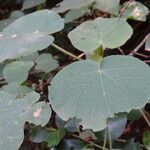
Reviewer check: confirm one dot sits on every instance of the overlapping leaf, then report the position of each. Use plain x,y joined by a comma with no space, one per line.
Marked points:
110,6
32,3
29,34
14,15
136,10
95,91
147,46
71,4
13,114
46,63
110,33
17,71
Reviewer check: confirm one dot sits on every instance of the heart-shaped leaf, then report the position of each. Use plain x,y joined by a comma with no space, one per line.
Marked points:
95,91
102,31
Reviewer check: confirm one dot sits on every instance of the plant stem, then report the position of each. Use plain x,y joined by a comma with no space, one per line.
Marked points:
140,45
90,142
65,52
145,117
105,139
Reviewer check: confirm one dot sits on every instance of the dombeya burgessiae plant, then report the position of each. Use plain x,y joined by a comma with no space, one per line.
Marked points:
95,93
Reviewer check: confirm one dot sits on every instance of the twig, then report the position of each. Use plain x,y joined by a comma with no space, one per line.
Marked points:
147,61
140,45
90,142
105,139
81,55
65,52
139,54
121,51
145,117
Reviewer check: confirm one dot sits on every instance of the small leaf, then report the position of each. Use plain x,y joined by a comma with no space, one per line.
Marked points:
14,15
72,125
29,34
102,31
32,3
74,14
132,145
17,90
39,113
55,137
31,57
134,115
13,114
146,140
147,46
97,55
110,6
17,71
39,135
136,11
46,63
116,126
95,91
71,4
88,134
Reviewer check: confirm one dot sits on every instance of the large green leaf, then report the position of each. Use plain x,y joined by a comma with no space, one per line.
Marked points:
17,71
32,3
102,31
136,10
14,113
29,34
110,6
95,91
71,4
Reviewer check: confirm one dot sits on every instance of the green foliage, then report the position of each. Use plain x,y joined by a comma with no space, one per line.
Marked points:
46,63
75,14
116,126
15,112
147,46
146,140
102,31
32,3
14,15
136,10
98,90
89,94
110,6
71,4
29,34
17,71
55,137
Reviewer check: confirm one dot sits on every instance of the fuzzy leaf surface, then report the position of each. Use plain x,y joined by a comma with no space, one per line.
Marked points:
94,91
90,35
